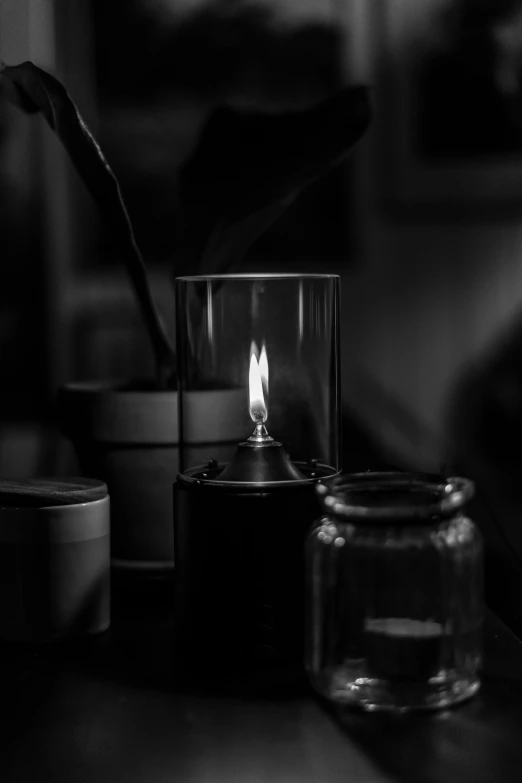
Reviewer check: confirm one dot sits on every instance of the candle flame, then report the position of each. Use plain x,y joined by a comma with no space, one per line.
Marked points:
263,369
258,382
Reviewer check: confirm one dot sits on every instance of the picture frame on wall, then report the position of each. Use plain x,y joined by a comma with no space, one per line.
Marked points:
450,82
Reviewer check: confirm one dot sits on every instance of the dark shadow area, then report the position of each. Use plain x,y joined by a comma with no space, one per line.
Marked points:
360,449
22,307
139,651
153,108
485,423
469,85
238,51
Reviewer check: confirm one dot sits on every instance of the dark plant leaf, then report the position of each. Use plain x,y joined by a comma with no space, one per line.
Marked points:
35,91
249,167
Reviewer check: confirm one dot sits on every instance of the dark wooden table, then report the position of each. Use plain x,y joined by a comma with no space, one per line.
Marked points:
121,709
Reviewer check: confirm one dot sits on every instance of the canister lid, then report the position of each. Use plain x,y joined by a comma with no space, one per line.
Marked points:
44,492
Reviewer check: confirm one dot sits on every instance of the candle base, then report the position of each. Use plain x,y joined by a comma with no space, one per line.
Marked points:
239,567
259,462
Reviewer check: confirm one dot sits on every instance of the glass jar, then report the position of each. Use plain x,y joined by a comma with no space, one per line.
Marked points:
394,592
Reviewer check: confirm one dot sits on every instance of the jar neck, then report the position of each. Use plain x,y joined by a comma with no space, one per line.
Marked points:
394,499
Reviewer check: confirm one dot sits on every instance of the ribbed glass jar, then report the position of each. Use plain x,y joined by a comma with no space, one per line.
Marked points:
394,592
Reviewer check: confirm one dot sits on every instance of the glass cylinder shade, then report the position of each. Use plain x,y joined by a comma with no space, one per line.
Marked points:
259,350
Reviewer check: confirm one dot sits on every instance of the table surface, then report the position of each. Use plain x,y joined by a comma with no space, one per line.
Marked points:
118,708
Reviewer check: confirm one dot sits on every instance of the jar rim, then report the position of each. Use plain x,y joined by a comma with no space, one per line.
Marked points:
394,497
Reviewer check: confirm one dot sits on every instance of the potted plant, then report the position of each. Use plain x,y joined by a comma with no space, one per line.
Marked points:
127,434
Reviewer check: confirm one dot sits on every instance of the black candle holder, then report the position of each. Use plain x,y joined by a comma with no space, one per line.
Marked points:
241,523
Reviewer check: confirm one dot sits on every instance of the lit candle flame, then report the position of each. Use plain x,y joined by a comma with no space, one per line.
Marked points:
263,369
257,381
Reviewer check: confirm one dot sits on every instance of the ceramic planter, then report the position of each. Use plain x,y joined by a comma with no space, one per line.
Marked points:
129,438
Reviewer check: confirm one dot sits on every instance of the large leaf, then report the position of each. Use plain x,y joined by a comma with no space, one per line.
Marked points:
246,170
35,91
249,167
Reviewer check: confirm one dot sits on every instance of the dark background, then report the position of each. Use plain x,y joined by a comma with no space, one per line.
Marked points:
431,299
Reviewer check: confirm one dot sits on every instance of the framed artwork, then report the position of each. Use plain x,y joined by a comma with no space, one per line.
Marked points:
449,76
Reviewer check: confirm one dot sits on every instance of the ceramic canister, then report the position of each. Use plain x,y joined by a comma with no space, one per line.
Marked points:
54,558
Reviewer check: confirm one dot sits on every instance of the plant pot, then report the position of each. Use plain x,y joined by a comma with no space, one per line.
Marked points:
128,437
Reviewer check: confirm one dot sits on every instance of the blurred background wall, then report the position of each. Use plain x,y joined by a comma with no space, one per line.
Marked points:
439,283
